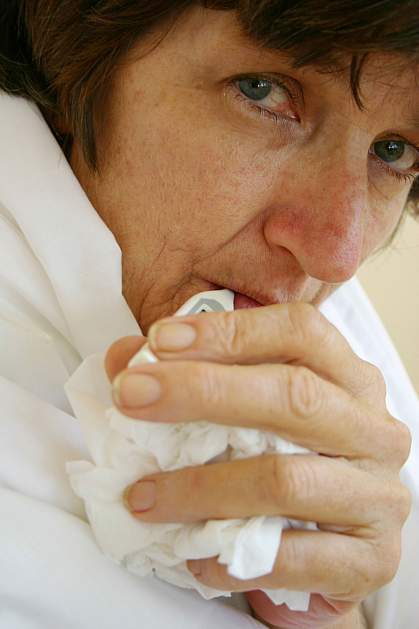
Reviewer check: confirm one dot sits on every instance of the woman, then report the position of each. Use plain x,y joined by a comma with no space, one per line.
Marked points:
270,149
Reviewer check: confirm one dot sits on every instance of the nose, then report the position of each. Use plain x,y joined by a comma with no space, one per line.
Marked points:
319,215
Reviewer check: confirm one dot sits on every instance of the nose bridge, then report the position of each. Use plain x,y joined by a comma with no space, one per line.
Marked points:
323,227
339,187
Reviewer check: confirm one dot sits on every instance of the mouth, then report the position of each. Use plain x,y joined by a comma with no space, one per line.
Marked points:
255,299
243,301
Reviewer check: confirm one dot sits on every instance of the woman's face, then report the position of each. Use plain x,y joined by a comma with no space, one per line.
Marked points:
222,166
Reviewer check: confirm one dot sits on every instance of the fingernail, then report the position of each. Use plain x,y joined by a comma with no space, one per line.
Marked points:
194,566
136,390
171,337
140,496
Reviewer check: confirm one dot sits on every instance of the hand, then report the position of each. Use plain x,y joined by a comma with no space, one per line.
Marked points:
354,619
284,369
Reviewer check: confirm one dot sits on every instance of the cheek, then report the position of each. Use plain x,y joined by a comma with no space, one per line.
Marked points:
190,182
382,222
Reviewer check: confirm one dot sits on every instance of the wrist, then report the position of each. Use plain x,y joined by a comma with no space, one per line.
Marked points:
354,619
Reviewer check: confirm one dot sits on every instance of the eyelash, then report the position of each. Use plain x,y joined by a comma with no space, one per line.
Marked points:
278,119
262,111
404,177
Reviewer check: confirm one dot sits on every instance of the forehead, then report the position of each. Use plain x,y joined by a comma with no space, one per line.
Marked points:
214,43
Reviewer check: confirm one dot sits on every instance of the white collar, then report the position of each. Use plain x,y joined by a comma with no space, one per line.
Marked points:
76,249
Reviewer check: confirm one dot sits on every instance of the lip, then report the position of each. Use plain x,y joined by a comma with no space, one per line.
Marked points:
257,299
254,300
242,301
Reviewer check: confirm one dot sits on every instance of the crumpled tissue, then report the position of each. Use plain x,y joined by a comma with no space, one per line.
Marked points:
124,450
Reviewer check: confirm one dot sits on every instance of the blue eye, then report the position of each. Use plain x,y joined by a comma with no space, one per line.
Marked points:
397,153
255,88
389,151
269,98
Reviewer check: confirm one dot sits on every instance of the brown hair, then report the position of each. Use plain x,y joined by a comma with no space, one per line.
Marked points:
62,55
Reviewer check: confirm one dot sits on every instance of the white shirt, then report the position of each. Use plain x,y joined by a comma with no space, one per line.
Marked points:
60,301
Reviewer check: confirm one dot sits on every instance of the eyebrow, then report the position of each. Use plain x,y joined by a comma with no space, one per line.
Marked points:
275,55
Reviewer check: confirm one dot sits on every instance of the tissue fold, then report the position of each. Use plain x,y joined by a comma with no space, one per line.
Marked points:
124,450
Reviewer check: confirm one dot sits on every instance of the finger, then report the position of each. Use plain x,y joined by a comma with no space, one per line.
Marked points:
299,487
290,401
120,353
337,566
290,333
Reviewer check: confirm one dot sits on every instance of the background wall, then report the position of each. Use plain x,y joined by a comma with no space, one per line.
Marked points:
391,280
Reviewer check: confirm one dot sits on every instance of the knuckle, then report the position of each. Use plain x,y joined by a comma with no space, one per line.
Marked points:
304,393
402,441
279,486
397,442
394,505
374,373
379,565
388,560
374,379
361,584
210,391
288,478
402,503
228,336
292,558
376,566
307,322
355,579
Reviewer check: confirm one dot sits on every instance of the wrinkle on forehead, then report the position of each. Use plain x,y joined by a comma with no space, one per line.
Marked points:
214,45
395,81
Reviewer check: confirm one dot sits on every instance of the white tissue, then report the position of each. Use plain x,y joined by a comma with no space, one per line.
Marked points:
124,450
